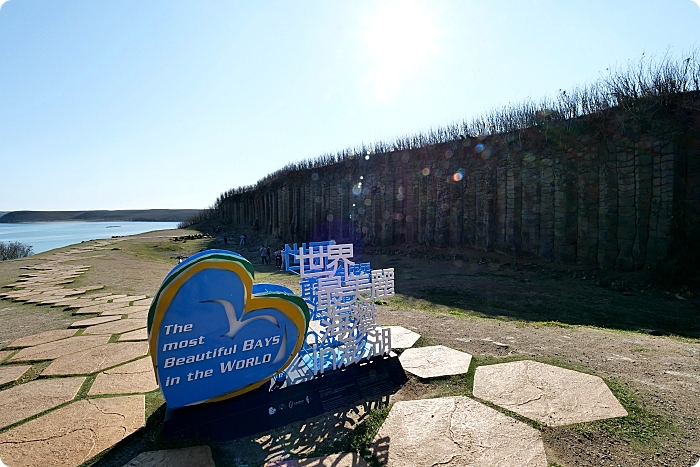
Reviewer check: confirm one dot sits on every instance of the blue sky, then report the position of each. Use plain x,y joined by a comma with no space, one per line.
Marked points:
166,104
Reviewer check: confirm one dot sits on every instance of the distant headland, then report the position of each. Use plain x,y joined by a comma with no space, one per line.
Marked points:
133,215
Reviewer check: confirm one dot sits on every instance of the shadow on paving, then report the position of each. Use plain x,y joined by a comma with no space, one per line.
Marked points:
345,430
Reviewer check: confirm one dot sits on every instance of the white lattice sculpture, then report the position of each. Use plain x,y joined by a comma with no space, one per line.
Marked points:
341,295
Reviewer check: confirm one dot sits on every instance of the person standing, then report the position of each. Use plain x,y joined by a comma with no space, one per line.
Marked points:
243,239
278,258
263,254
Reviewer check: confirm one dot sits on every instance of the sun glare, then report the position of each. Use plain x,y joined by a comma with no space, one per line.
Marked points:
400,38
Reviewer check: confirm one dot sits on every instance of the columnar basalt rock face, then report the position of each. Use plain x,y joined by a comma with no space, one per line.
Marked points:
608,190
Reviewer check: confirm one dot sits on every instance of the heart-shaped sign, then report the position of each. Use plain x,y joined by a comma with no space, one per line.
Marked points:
214,335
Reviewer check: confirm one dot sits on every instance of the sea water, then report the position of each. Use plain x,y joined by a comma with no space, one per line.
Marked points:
44,236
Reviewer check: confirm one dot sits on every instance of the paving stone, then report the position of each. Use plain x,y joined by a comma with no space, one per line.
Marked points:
4,354
11,373
143,314
128,298
435,361
72,292
116,327
100,308
66,302
402,338
71,435
43,338
83,323
111,297
30,299
334,460
52,301
60,348
546,393
138,335
199,456
28,399
96,359
93,296
455,431
132,377
145,302
125,310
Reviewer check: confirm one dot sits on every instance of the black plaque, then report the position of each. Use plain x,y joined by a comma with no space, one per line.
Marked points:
262,410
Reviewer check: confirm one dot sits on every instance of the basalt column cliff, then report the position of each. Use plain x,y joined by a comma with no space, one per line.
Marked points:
618,189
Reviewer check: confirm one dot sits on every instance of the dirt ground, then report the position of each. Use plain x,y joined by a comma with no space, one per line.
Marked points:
643,340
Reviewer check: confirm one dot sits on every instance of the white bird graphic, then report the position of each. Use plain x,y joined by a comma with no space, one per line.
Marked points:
235,324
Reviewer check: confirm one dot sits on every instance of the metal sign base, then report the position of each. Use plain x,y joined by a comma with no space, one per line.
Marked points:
262,410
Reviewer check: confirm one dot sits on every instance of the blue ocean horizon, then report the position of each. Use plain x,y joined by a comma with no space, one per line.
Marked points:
45,236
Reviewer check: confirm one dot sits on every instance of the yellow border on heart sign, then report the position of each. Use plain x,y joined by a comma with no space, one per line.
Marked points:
167,295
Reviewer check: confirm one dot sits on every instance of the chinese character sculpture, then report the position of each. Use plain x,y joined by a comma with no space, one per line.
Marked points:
214,334
341,296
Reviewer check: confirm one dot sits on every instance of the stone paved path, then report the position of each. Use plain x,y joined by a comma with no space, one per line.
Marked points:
44,420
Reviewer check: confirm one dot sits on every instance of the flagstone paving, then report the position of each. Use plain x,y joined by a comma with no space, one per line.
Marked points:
138,335
110,297
4,354
52,301
93,321
402,338
455,431
71,435
549,394
131,378
66,302
43,338
129,298
125,310
96,359
52,350
10,374
93,296
199,456
435,361
143,314
98,308
25,400
116,327
334,460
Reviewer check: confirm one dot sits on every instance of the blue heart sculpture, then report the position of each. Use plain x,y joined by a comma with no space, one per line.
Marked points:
214,335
